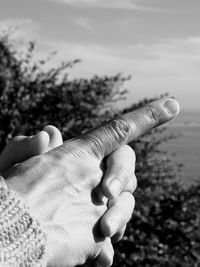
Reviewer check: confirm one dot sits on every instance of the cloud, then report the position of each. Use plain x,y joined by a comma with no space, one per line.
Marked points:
169,66
169,58
112,4
84,23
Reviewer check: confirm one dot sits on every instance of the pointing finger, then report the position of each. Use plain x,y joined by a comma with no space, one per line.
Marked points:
107,138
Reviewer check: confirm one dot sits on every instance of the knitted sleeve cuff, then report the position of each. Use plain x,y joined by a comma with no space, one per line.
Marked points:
21,240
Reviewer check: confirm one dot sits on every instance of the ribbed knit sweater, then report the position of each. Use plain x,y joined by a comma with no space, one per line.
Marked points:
22,243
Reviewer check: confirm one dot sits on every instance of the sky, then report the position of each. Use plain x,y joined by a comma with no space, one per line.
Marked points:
155,41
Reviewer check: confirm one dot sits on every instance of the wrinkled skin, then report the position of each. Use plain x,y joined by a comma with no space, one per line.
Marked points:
119,164
63,199
61,185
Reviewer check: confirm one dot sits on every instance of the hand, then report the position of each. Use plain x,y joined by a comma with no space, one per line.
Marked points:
61,183
120,163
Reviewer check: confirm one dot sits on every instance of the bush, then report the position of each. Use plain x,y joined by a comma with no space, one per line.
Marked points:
165,228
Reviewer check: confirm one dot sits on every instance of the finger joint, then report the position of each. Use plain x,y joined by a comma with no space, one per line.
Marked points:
120,129
152,113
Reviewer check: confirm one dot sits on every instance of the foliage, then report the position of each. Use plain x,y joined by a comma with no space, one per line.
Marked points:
31,97
165,228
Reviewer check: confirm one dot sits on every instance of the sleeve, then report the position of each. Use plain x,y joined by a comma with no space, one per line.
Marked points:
22,243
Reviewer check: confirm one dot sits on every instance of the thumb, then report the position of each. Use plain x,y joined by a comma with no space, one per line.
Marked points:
21,148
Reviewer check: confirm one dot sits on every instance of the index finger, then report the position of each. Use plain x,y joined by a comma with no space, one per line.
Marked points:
105,139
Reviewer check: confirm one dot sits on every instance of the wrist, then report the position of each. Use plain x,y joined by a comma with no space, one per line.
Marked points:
21,240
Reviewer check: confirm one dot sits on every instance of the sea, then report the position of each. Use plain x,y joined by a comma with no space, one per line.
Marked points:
185,149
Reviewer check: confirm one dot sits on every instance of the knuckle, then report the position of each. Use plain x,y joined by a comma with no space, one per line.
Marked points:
151,113
123,174
127,179
130,152
129,201
131,185
129,198
120,129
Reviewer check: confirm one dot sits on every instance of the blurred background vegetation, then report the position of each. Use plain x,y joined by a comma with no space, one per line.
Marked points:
165,227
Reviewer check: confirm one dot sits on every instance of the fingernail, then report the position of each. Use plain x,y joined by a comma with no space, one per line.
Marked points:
115,187
171,106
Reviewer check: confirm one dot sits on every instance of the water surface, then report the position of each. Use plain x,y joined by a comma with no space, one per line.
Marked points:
187,146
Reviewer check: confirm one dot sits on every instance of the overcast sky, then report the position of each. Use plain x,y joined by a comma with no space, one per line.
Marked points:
156,41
